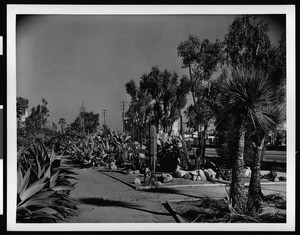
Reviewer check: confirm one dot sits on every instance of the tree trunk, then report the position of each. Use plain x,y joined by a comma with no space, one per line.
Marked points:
203,144
255,194
237,184
157,127
132,132
141,138
184,148
201,148
192,88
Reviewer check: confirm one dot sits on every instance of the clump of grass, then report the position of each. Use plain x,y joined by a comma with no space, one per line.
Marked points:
210,210
276,200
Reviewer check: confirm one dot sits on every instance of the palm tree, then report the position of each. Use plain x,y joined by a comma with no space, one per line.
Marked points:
246,92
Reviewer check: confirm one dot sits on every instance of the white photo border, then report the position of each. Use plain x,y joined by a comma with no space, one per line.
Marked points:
1,164
13,10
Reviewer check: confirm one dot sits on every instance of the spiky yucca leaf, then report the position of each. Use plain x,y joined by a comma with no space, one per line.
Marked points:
248,93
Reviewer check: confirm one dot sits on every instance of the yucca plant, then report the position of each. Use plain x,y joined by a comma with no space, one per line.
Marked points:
246,94
43,187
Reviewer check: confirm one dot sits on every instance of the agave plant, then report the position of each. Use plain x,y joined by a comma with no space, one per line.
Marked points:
43,187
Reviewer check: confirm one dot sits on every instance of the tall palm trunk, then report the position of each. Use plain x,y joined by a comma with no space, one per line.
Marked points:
237,182
255,193
199,149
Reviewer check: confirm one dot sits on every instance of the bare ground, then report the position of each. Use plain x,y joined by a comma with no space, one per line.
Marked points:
103,199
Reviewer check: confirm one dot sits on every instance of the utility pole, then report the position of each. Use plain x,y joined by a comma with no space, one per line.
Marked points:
123,106
104,114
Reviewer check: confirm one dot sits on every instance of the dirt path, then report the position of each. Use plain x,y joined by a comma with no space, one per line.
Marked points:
107,200
103,199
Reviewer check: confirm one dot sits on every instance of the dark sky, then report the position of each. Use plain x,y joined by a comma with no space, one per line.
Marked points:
70,59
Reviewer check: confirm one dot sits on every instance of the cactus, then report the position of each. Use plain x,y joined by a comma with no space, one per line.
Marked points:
149,177
153,148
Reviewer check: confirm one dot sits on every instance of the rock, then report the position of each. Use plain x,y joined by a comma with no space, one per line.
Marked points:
177,168
202,175
282,178
137,181
210,174
276,179
180,173
194,177
113,167
247,172
131,172
198,178
166,178
187,176
220,179
142,155
158,184
137,172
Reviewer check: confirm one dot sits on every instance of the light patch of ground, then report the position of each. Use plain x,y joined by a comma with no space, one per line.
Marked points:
103,199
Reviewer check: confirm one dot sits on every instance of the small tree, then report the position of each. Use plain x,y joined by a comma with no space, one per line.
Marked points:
86,122
37,120
202,59
169,96
247,93
247,45
22,106
62,124
106,130
140,108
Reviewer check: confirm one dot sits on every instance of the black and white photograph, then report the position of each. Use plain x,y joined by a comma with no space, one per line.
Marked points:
158,117
1,159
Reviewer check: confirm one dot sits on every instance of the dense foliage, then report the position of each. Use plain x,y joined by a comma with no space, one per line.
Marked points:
43,186
158,100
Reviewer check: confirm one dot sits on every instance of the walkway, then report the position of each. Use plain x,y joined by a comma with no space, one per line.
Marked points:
107,200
